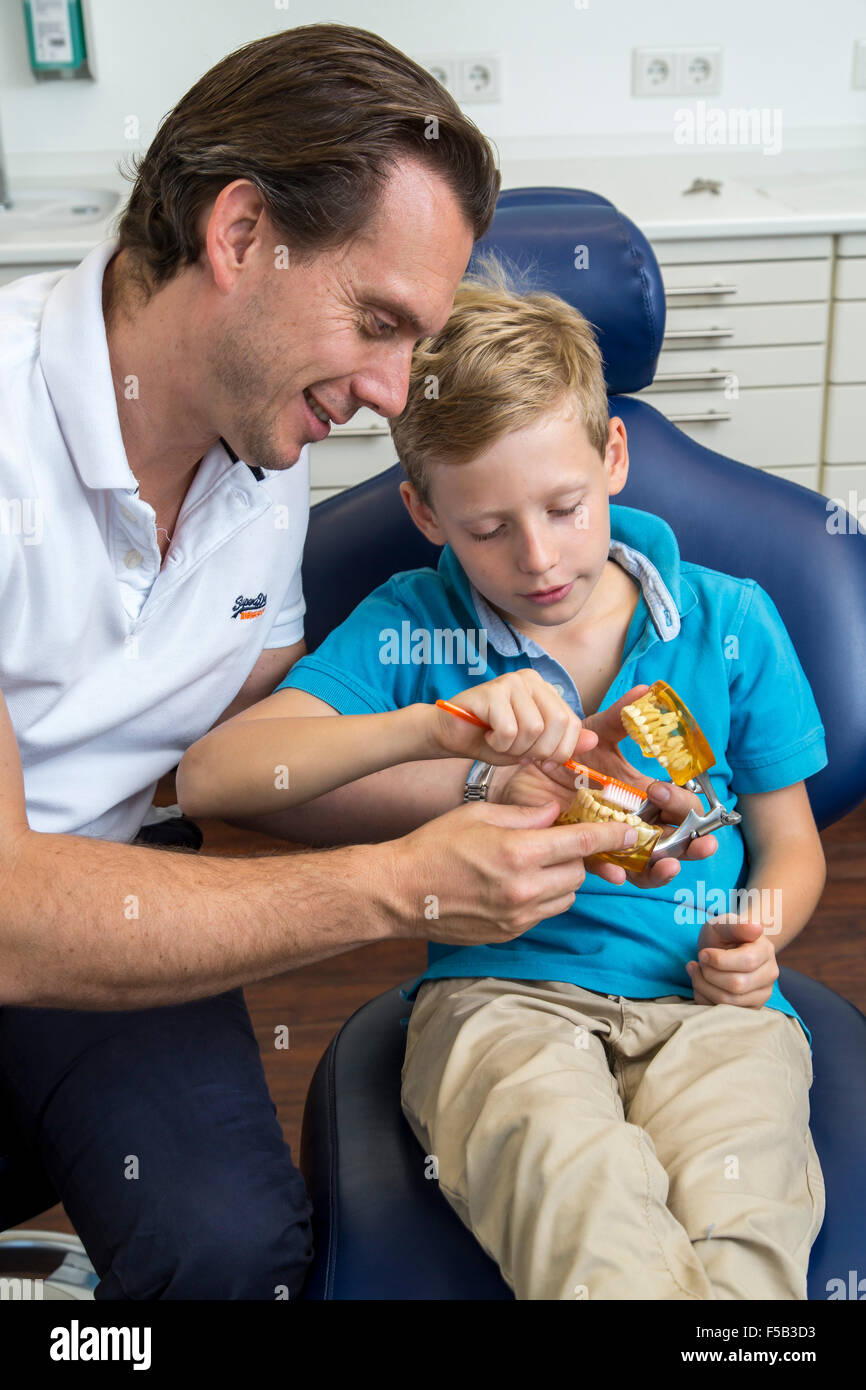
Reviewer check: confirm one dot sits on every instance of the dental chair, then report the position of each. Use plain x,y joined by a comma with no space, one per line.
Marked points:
382,1230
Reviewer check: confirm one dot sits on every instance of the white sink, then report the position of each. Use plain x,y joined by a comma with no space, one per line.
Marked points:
46,213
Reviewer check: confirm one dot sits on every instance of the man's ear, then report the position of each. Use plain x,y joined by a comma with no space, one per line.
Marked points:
423,516
235,224
616,457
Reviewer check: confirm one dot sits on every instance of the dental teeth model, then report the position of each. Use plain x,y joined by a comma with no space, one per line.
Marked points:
588,806
665,729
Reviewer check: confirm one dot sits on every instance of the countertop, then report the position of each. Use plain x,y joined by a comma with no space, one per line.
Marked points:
807,187
811,189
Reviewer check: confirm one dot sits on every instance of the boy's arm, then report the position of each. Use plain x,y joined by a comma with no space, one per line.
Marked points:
737,951
272,756
275,755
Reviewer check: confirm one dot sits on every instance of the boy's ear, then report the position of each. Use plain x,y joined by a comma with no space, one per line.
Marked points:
423,516
616,457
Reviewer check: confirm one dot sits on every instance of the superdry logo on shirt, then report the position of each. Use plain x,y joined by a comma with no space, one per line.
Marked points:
249,607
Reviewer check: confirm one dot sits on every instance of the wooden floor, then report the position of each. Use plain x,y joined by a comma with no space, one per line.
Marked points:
315,1001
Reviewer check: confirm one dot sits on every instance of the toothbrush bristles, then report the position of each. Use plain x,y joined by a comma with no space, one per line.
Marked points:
617,795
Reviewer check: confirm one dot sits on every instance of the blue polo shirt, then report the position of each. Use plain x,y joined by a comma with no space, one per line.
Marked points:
719,641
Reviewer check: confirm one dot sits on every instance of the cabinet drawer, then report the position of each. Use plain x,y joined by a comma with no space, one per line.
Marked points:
806,477
321,494
685,368
851,278
846,483
749,282
848,352
747,326
846,425
724,250
768,428
342,462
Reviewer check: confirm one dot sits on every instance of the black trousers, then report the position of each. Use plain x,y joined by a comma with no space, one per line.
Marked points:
159,1134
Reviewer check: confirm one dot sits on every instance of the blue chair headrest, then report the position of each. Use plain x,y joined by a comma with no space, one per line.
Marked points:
588,253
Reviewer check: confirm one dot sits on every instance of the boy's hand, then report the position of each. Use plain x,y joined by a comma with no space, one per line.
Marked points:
528,720
736,963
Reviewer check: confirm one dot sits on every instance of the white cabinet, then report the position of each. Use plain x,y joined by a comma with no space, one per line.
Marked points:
743,362
351,453
845,440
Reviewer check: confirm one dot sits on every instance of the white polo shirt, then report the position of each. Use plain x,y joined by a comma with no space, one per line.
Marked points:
111,666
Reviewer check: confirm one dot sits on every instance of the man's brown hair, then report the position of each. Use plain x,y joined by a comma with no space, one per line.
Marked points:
315,117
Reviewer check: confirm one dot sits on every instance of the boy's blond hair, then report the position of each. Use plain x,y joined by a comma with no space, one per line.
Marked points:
503,359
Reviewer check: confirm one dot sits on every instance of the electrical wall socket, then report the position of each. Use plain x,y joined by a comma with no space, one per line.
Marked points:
859,78
468,79
676,72
479,79
654,72
443,67
699,70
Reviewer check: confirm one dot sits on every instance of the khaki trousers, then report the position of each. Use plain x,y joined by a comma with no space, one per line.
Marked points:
611,1148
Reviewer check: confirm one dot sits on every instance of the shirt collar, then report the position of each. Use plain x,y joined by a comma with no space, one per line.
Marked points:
73,331
643,544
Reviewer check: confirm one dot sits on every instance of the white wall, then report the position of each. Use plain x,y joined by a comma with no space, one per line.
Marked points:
567,70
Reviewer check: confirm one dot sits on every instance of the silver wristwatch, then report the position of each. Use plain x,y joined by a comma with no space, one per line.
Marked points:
478,781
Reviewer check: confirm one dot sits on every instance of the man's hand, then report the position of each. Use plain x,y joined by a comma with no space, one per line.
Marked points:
483,874
736,963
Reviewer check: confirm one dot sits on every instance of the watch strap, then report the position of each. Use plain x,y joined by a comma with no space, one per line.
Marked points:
478,781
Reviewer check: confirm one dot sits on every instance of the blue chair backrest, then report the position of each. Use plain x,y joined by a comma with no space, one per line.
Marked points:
725,515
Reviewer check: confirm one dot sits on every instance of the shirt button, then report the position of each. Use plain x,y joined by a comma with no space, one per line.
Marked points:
132,559
560,690
614,997
241,497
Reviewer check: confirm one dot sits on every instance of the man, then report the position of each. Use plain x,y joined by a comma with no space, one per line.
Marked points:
302,217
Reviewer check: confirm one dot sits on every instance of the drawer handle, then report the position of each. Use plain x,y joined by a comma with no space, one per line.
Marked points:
708,415
712,374
699,289
699,333
349,428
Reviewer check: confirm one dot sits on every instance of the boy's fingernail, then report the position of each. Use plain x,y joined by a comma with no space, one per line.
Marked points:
630,837
661,792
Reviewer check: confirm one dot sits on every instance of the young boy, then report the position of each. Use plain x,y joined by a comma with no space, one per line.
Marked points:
617,1099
